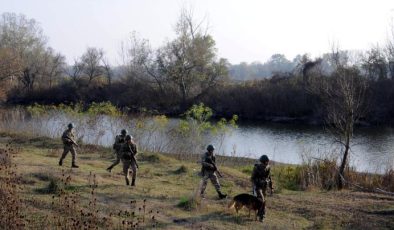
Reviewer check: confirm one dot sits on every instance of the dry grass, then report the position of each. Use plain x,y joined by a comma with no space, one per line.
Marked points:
90,197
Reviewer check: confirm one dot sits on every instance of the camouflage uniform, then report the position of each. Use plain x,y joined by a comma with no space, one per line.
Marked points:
261,179
67,138
119,140
129,165
208,172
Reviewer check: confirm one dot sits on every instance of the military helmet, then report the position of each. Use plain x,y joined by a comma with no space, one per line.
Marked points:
129,137
210,148
70,126
264,158
123,132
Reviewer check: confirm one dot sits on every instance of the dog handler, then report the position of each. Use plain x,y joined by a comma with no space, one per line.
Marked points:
261,178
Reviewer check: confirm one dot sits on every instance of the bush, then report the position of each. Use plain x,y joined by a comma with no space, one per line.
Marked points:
188,203
103,108
247,169
287,177
54,186
153,158
182,169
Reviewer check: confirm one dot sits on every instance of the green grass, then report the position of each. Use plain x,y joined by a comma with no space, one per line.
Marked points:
169,187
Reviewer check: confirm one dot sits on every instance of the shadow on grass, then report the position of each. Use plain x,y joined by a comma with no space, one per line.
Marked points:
55,185
216,216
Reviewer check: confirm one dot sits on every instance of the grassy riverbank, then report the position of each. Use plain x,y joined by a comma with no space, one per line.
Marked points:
57,196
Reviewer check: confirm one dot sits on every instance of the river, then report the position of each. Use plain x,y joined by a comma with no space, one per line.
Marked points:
372,147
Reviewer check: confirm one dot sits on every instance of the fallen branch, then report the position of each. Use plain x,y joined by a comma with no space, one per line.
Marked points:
384,192
375,190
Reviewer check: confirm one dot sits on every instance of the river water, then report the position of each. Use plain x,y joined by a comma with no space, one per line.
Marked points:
372,147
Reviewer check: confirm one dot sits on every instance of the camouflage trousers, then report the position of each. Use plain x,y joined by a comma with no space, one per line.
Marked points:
129,167
116,161
204,181
67,149
260,191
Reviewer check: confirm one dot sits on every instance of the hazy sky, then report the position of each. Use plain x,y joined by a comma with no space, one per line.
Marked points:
244,30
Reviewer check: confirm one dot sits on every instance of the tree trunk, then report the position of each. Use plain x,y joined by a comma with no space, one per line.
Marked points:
341,172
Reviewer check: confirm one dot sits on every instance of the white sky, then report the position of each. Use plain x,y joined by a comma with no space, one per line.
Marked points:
244,30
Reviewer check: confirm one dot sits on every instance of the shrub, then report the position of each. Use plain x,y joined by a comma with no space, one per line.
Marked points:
103,108
188,203
182,169
287,177
153,158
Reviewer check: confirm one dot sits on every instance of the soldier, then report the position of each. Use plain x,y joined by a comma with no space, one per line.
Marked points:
119,140
261,178
208,171
129,152
69,142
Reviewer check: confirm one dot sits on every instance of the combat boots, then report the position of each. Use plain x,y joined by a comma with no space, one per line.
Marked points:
60,163
221,195
133,182
109,169
127,182
74,166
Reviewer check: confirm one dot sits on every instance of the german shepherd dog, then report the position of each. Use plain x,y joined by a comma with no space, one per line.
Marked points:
250,202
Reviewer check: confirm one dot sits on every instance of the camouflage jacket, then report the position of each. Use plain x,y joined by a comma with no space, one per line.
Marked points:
119,140
261,175
129,151
207,167
68,136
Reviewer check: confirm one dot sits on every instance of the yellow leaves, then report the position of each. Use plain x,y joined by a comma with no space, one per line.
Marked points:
102,108
161,120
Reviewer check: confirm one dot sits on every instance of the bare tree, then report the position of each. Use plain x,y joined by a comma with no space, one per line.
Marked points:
187,65
343,94
27,52
75,71
375,63
10,64
53,66
92,62
140,62
189,62
390,52
107,71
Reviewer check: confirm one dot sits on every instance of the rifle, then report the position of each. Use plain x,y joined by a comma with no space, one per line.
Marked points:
72,141
132,156
210,161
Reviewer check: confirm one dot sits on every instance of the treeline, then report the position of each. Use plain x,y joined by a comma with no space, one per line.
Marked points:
186,71
277,64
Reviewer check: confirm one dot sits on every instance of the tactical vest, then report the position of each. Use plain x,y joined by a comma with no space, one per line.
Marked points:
207,159
260,174
68,134
128,150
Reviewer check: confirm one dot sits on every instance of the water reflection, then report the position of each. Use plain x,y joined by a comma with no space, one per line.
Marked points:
372,148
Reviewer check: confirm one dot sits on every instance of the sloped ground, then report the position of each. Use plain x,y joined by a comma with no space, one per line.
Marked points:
163,184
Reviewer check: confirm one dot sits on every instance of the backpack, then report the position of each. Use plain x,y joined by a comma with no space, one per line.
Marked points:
118,143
